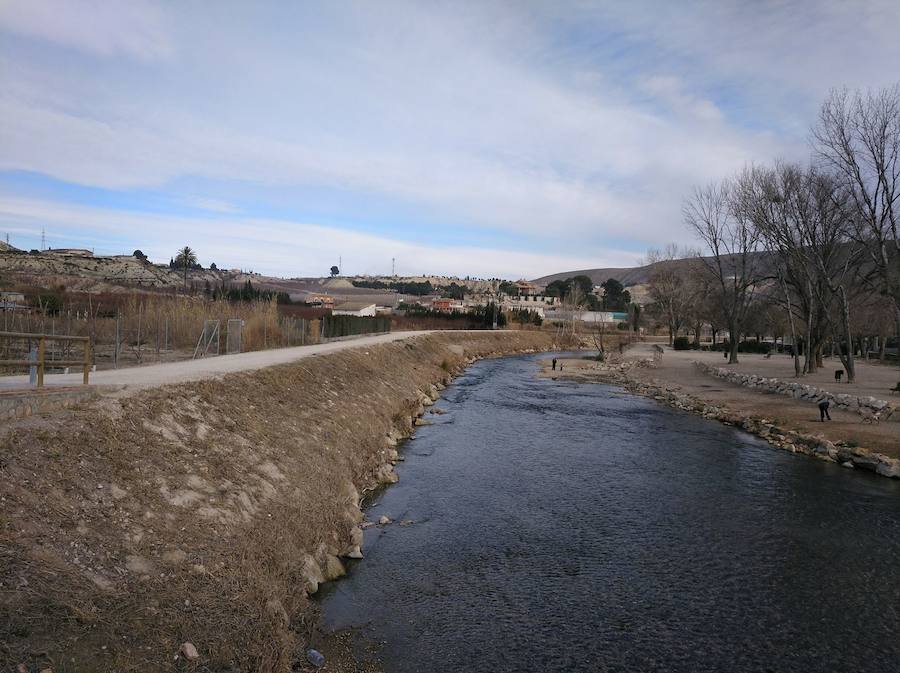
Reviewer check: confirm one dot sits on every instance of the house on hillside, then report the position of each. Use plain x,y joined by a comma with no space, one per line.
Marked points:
357,308
447,305
525,289
320,300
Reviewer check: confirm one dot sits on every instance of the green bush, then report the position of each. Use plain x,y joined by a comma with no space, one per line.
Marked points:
682,343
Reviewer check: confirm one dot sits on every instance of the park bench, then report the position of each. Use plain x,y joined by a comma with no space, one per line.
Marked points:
896,388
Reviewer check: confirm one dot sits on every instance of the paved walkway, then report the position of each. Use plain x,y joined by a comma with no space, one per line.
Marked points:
193,370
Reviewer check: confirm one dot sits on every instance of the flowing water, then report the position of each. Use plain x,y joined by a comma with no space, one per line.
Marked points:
574,527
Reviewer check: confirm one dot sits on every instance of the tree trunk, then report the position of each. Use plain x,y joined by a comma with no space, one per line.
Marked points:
794,344
733,344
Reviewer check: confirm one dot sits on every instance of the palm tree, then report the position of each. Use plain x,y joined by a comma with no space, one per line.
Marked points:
186,258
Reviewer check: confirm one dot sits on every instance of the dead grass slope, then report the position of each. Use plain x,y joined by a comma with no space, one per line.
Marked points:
204,512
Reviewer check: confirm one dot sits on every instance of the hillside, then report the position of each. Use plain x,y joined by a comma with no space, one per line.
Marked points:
637,275
629,277
81,270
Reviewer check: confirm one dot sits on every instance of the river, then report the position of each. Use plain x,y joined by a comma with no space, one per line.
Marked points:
574,527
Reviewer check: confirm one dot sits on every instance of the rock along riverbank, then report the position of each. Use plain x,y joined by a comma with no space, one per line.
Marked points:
621,373
184,528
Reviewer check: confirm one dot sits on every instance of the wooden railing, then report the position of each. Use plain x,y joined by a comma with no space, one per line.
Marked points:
40,362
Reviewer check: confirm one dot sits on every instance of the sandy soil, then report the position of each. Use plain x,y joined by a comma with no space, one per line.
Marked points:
678,372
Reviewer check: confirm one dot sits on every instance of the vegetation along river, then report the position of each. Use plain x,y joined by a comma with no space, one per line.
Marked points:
574,527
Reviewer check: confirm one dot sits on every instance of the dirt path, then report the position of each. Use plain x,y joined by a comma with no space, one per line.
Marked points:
678,372
194,370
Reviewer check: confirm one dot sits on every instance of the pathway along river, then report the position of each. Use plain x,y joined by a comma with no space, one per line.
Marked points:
575,527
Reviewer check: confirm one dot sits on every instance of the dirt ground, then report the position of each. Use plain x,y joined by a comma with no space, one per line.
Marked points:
192,512
678,372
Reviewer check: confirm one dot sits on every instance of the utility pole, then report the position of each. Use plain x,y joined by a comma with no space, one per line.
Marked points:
495,304
393,266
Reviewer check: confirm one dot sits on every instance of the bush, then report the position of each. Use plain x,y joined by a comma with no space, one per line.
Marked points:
682,343
754,347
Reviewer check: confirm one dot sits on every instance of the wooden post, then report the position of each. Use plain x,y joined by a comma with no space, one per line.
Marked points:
87,361
40,362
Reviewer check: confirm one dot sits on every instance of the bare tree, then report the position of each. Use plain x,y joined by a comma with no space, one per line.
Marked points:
718,216
858,137
802,215
669,287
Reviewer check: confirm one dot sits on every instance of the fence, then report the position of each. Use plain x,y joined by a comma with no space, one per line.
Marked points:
37,357
153,328
349,325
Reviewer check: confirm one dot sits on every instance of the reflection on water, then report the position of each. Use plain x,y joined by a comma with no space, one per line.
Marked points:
573,527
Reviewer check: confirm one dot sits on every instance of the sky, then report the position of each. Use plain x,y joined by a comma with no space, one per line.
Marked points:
510,139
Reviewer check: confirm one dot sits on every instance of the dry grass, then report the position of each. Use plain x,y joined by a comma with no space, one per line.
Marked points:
150,325
188,513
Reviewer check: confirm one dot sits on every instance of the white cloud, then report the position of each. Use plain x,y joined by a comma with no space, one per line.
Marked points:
135,28
280,247
499,116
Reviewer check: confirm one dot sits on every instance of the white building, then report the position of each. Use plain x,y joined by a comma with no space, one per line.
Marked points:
357,308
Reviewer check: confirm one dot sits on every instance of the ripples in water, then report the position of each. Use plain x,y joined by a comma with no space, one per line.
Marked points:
573,527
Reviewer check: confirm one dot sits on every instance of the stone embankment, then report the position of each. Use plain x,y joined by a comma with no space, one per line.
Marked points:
619,373
869,408
184,527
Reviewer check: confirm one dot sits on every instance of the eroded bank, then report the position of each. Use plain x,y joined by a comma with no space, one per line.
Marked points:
206,513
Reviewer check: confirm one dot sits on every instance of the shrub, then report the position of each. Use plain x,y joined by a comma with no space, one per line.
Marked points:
682,343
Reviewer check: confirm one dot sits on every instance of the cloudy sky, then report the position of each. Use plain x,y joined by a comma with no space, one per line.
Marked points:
483,138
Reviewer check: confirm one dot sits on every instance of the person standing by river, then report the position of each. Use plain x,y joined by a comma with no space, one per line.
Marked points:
824,403
554,364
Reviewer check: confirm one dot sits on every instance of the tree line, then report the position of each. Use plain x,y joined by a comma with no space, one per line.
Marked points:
811,250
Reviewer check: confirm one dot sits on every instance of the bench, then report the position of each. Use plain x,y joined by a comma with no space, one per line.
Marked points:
896,388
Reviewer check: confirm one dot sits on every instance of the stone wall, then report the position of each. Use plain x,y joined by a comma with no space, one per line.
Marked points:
865,406
24,403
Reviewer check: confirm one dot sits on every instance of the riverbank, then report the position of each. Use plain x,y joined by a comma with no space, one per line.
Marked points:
206,512
785,422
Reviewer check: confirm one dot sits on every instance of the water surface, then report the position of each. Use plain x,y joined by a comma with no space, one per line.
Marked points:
574,527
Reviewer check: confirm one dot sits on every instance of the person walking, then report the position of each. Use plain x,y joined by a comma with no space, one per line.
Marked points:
554,364
824,403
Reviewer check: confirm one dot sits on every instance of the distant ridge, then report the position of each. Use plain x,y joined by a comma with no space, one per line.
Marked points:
637,275
628,276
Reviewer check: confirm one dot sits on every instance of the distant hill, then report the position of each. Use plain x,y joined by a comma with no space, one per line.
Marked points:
628,276
637,275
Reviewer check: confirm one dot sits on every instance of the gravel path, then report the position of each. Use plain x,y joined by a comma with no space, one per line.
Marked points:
677,370
193,370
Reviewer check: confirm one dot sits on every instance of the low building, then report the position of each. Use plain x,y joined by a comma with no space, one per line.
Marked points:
357,308
321,300
12,297
592,317
445,305
525,289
